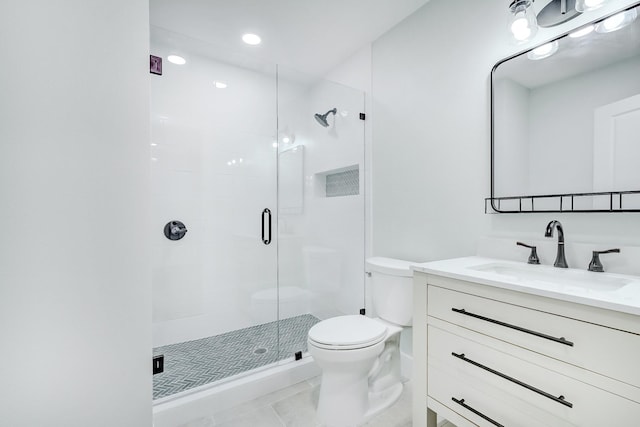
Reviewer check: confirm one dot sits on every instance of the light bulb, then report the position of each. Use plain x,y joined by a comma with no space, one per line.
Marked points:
617,21
582,32
544,51
589,5
522,22
614,22
520,28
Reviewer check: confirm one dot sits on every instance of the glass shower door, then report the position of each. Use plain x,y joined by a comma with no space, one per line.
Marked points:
214,169
321,204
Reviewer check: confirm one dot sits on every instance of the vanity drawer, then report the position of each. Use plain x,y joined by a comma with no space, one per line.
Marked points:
481,405
603,350
530,388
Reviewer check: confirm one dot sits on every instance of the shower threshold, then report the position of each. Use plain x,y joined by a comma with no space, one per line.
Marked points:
192,364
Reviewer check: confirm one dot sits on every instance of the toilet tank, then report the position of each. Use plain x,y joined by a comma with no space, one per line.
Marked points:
392,289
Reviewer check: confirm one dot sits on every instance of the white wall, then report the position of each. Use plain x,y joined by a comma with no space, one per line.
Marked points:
75,296
432,136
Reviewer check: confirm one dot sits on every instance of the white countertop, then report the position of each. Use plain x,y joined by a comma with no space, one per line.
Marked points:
617,292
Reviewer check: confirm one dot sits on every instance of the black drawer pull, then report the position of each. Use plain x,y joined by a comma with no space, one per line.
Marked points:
560,399
561,340
475,411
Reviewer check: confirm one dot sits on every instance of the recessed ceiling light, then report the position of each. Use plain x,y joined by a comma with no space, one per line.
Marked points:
252,39
220,85
175,59
582,32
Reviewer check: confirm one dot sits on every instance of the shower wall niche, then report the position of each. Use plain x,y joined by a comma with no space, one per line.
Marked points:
221,157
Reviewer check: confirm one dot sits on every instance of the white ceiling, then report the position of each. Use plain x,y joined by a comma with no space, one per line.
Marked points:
310,36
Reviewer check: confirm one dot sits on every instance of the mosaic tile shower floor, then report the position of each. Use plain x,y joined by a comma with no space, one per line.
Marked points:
195,363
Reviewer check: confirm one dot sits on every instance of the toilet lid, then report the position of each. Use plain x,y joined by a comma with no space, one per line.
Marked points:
347,332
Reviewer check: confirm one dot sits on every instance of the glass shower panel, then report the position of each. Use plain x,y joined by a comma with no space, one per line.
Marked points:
321,204
214,168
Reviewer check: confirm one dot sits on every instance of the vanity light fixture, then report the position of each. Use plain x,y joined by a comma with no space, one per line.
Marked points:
544,51
617,21
523,21
175,59
582,32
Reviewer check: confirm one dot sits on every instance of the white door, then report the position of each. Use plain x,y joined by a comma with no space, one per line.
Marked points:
616,153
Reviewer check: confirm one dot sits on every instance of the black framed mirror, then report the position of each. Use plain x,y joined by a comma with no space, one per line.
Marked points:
565,122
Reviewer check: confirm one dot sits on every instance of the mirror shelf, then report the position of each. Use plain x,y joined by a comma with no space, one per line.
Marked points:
604,201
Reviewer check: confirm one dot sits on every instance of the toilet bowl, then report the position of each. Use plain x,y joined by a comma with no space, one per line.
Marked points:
360,356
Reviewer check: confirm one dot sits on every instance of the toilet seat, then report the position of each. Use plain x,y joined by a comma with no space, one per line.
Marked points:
347,333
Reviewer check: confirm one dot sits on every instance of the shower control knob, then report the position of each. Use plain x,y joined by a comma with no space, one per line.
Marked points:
175,230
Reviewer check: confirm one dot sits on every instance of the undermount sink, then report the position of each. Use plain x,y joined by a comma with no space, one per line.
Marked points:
565,279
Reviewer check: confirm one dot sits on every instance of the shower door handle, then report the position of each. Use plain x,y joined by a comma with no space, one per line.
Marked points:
266,240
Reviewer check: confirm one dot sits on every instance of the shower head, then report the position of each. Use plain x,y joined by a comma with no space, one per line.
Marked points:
322,118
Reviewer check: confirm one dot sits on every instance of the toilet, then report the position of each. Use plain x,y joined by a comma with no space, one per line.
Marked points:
360,356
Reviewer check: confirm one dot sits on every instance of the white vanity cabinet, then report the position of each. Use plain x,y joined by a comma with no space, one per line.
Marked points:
490,356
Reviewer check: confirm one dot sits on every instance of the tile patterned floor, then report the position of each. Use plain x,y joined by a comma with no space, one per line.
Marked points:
194,363
295,406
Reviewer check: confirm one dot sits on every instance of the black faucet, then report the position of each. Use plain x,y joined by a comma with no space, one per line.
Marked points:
561,261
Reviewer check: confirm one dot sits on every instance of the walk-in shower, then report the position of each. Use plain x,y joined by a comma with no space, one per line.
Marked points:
322,118
228,303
